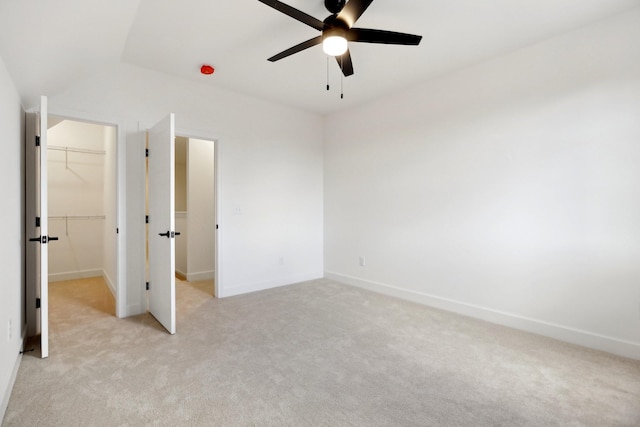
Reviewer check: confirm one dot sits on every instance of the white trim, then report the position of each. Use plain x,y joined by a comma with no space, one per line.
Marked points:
73,275
270,284
109,282
200,275
540,327
218,253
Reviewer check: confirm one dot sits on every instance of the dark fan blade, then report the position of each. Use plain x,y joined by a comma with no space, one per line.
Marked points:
353,10
366,35
344,61
297,48
295,14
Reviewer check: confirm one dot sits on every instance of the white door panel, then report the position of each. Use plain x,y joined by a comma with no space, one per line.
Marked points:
162,280
37,260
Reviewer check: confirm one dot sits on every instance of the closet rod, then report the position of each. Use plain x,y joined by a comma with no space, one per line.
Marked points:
68,217
78,217
75,150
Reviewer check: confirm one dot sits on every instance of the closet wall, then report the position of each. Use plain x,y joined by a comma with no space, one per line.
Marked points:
181,205
82,194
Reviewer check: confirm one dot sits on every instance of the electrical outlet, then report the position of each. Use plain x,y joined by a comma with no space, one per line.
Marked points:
362,261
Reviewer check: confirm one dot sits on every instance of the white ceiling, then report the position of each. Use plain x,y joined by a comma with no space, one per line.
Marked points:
49,45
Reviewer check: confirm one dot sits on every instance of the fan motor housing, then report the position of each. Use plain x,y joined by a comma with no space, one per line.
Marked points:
334,6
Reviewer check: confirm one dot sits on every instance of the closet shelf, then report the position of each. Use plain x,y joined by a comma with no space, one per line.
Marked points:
74,217
68,150
75,150
77,217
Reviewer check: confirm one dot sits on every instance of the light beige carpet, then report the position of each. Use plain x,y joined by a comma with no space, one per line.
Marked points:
317,353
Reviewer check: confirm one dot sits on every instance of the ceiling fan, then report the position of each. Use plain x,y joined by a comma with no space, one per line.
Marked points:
337,30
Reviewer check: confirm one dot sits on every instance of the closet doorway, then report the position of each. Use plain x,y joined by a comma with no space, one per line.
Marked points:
195,214
180,198
82,211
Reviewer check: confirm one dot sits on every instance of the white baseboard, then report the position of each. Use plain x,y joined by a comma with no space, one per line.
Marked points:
181,273
110,284
261,286
12,379
200,275
540,327
72,275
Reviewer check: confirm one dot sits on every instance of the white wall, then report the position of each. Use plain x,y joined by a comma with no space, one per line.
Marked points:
76,188
507,191
270,166
12,245
201,229
109,206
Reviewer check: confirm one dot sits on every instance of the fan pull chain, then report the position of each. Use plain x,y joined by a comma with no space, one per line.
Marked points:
342,77
327,72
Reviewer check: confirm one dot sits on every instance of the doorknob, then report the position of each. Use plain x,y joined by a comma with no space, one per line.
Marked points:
43,239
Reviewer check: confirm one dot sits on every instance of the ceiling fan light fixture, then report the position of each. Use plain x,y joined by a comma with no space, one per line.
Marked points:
335,45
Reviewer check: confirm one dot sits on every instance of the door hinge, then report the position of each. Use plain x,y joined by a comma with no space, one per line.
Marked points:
37,140
147,285
37,302
117,231
146,219
37,221
146,152
216,226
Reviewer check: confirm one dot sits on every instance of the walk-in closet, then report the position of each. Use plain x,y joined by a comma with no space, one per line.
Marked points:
82,207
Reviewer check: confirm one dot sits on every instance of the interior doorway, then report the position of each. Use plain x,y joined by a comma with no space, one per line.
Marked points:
83,211
195,213
161,232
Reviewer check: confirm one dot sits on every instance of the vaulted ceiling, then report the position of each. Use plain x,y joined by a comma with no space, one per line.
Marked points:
49,45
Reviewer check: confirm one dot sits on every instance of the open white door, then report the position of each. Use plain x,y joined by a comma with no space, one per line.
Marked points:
37,256
162,280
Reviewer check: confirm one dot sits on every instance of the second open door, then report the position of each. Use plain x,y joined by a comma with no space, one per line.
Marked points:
162,282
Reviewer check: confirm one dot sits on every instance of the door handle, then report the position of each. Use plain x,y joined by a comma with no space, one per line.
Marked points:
169,234
43,239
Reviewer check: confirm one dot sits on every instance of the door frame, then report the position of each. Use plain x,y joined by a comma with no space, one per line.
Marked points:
121,257
187,133
143,127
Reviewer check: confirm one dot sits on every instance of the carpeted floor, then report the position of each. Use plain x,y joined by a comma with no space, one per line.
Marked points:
316,353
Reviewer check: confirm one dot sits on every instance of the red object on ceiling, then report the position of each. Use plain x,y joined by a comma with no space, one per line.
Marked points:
207,70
